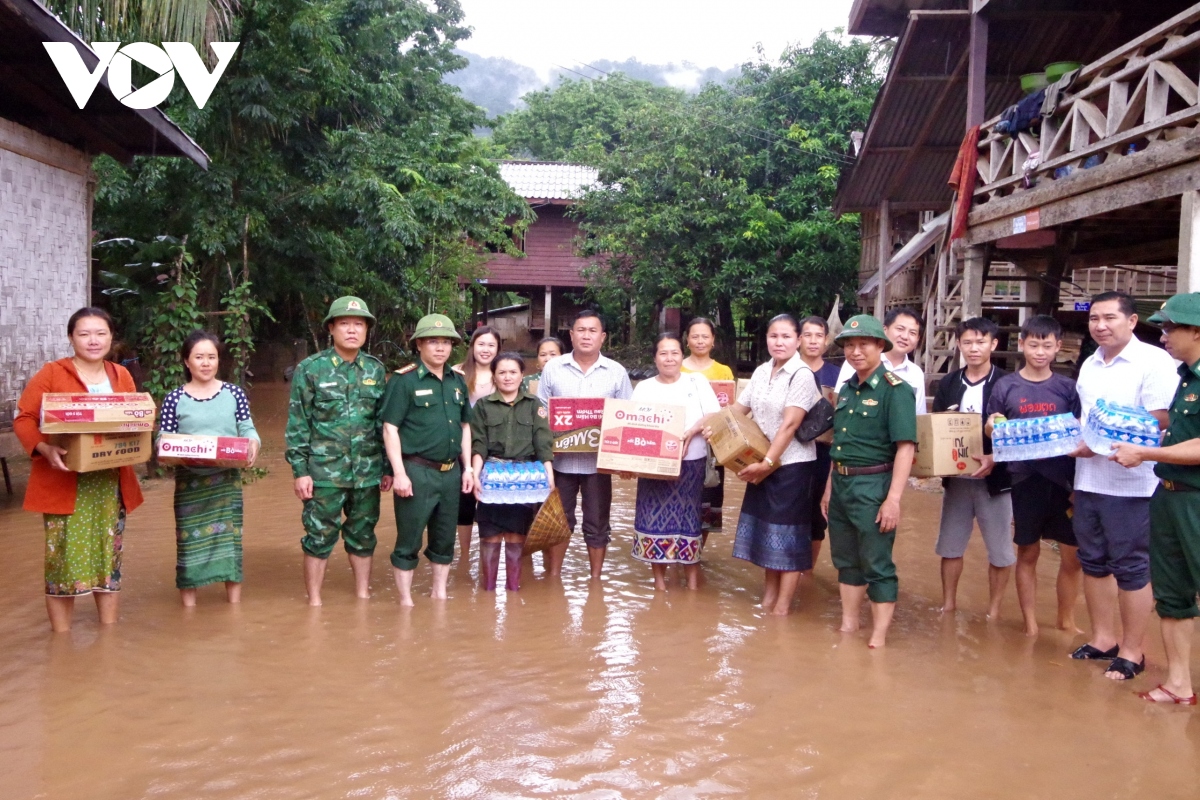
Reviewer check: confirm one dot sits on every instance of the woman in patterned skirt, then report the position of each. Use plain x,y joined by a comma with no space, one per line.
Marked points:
667,518
208,500
84,513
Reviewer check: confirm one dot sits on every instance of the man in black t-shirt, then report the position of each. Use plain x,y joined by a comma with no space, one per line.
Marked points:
1041,498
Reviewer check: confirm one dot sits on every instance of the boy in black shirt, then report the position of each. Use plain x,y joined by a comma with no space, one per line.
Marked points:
1041,497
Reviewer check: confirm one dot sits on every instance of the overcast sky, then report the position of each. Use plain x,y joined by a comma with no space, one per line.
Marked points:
708,33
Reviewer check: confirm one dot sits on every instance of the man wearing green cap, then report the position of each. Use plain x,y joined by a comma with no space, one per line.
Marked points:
1175,505
874,438
335,447
428,439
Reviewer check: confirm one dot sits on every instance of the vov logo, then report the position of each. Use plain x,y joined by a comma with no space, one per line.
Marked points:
172,57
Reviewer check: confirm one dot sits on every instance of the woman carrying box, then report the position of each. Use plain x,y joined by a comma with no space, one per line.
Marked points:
509,425
667,518
208,500
775,527
84,513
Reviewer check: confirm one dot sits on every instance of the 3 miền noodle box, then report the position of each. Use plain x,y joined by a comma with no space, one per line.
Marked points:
726,391
88,452
643,438
948,445
194,450
737,441
575,423
97,413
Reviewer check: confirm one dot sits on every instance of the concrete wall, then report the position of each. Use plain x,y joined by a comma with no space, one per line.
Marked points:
45,232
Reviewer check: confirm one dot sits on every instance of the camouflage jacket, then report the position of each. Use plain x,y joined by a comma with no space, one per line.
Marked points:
334,432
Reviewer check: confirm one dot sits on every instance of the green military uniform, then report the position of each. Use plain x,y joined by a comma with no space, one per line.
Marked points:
871,418
334,437
429,412
516,432
1175,506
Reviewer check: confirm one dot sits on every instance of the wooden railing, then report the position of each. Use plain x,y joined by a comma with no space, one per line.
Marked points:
1141,96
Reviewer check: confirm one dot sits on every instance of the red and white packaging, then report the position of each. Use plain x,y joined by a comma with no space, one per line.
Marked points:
64,412
643,438
191,450
726,392
575,423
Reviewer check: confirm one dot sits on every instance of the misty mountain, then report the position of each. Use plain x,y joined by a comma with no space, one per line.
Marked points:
497,84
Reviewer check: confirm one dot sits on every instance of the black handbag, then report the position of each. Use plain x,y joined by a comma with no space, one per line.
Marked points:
818,419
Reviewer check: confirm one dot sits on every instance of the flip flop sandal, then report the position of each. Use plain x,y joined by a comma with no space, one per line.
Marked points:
1085,652
1171,697
1127,669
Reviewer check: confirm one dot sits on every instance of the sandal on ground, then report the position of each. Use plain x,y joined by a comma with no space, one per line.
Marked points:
1126,668
1171,697
1085,652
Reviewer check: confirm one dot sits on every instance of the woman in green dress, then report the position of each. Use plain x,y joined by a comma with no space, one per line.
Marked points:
208,500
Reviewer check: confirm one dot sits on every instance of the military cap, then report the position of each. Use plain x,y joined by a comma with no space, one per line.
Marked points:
348,307
1182,309
433,326
864,325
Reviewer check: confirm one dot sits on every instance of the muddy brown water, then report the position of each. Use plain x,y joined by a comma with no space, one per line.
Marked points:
567,689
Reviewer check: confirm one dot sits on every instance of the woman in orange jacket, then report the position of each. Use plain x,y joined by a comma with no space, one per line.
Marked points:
84,512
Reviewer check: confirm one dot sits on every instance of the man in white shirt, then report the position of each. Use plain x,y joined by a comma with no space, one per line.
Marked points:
1112,504
903,328
583,372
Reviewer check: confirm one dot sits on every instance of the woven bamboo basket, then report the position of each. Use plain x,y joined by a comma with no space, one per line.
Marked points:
549,525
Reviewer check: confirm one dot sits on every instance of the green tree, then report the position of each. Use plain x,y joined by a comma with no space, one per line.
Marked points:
195,21
341,163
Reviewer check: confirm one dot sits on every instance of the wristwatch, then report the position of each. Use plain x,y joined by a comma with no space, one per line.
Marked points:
770,462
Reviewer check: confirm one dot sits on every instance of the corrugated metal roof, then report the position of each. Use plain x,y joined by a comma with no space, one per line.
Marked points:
548,180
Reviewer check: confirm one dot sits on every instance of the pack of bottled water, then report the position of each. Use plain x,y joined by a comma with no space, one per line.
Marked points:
1034,437
1109,423
514,482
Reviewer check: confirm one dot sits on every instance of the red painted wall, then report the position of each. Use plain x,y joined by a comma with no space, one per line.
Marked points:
550,258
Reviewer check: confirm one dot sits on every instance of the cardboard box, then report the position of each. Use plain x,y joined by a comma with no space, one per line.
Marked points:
97,413
726,391
737,441
643,438
88,452
192,450
947,444
575,423
742,385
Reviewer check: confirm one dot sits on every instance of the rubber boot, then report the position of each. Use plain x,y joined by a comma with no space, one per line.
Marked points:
489,565
512,565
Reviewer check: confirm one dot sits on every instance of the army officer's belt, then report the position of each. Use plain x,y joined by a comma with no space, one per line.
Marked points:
1173,486
842,469
425,462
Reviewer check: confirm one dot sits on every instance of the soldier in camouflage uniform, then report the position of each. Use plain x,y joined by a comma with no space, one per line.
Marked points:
335,447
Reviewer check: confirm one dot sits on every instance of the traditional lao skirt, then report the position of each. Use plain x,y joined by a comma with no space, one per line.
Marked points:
666,522
208,527
775,527
83,550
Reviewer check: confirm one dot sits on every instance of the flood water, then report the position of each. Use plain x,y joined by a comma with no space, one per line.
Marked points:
567,689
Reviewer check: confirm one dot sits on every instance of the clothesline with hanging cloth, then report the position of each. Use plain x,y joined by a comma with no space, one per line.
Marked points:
962,181
929,235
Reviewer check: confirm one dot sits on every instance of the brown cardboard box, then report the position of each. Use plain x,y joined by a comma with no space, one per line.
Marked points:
643,438
726,391
575,423
203,451
97,413
742,385
88,452
737,442
945,444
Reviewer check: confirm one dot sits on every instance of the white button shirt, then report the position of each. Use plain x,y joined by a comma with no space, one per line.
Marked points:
563,377
1140,375
913,375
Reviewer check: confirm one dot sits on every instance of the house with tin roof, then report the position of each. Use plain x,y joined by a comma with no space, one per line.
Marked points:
46,188
550,268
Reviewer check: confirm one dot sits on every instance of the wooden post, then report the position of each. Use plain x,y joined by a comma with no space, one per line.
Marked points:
485,305
1188,276
548,329
885,255
977,70
974,266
